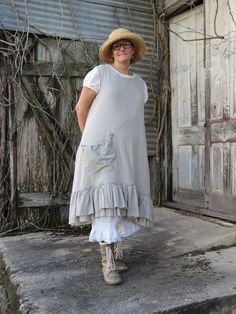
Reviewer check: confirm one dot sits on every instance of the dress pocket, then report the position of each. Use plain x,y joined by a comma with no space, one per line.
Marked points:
100,156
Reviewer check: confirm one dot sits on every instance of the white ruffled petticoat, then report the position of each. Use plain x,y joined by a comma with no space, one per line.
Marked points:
112,229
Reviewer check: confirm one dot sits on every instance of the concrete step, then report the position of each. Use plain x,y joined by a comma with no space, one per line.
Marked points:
182,265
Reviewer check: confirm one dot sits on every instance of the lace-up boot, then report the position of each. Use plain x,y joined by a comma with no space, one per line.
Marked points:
110,273
118,251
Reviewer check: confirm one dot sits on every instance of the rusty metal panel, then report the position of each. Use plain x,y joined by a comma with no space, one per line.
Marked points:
188,107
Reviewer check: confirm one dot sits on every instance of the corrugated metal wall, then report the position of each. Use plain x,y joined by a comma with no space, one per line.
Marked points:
89,21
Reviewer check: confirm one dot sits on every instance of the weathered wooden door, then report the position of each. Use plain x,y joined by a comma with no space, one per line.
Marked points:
221,113
203,87
188,107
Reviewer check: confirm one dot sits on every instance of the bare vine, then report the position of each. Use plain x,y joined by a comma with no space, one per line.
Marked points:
17,50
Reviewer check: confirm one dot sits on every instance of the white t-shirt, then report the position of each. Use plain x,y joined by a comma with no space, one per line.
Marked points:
93,80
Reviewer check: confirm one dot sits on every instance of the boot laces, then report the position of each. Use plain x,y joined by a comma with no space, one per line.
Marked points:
110,259
118,250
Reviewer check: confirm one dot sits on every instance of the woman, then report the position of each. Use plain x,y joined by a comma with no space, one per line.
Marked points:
111,180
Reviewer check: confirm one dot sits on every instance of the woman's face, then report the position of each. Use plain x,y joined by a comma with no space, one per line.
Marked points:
122,51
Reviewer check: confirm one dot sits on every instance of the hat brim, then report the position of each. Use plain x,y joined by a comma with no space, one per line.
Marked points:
136,40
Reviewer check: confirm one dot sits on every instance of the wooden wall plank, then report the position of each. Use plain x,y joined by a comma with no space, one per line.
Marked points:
56,69
43,199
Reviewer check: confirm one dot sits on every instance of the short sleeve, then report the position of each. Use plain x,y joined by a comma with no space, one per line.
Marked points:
92,80
145,93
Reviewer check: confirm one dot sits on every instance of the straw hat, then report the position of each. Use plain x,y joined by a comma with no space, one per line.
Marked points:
119,34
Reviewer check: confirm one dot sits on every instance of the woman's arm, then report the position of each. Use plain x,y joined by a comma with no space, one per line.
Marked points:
82,108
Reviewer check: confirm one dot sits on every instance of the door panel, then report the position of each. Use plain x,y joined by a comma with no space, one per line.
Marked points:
203,85
221,119
188,107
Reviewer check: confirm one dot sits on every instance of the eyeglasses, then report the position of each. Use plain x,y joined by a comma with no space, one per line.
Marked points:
125,45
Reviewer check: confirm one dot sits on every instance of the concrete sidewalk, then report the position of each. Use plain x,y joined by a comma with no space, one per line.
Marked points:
183,265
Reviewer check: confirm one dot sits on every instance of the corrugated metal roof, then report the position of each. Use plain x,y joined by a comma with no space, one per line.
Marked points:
72,19
89,21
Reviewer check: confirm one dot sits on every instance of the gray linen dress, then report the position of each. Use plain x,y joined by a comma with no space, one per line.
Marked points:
111,170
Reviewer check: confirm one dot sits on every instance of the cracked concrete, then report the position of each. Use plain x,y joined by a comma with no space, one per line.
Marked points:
182,265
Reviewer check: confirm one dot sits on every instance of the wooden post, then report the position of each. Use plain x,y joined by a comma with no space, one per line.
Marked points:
164,145
4,147
12,156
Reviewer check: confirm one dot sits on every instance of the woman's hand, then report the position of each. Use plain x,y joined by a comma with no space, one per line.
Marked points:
82,108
